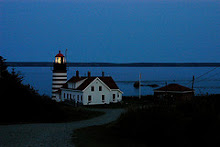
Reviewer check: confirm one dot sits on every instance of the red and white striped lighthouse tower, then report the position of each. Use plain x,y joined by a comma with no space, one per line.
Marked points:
59,74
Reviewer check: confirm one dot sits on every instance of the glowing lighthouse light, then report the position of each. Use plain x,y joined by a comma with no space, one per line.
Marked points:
59,58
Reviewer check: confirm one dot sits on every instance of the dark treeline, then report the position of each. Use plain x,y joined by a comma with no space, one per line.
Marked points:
21,103
71,64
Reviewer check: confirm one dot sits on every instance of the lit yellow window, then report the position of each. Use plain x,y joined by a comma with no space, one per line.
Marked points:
58,60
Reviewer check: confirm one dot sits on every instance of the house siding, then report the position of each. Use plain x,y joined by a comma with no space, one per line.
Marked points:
73,94
96,94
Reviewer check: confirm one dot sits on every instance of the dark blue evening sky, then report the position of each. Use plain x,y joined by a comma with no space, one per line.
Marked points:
111,31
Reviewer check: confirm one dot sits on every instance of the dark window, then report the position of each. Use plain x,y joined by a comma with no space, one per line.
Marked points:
103,97
100,88
113,97
81,98
67,96
92,88
89,98
77,97
70,96
64,95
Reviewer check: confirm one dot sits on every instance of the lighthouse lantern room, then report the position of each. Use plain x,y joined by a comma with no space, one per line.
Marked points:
59,75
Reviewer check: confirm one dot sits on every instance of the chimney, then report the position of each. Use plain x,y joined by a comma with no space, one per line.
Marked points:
77,73
89,74
103,74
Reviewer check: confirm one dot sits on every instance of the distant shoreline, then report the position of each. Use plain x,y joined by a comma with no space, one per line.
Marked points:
50,64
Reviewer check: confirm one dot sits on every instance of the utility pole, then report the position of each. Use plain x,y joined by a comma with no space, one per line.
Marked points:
140,86
66,59
166,89
66,54
193,82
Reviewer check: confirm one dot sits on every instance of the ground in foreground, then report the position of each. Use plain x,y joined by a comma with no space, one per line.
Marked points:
195,123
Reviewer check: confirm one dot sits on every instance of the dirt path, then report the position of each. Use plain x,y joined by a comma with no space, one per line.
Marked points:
53,134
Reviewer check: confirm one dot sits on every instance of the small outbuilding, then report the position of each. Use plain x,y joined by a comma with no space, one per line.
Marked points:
175,92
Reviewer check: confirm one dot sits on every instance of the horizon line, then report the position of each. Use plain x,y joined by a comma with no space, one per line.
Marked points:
110,64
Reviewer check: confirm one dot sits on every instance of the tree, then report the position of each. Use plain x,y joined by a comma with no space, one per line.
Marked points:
3,67
16,98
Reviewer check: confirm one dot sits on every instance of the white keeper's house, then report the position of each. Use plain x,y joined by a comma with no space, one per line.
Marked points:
86,90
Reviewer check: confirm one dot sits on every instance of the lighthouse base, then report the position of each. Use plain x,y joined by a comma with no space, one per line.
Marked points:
56,97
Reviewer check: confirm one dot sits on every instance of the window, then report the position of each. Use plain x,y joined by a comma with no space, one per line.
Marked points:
67,96
64,95
92,88
81,98
113,97
77,97
89,98
103,98
100,88
70,96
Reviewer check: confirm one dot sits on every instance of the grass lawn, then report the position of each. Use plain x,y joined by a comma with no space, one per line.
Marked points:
70,113
102,136
54,113
195,123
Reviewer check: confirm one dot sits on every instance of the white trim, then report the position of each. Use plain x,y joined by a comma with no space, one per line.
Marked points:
117,90
59,78
100,82
59,82
59,74
54,90
71,90
57,86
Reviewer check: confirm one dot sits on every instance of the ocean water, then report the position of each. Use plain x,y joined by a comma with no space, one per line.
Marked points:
207,79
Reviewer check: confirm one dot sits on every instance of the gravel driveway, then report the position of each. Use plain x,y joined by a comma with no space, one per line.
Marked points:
50,134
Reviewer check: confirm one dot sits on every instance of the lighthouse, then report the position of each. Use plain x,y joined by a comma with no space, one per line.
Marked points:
59,75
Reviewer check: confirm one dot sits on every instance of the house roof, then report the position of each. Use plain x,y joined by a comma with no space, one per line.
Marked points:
76,79
173,87
85,83
107,80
